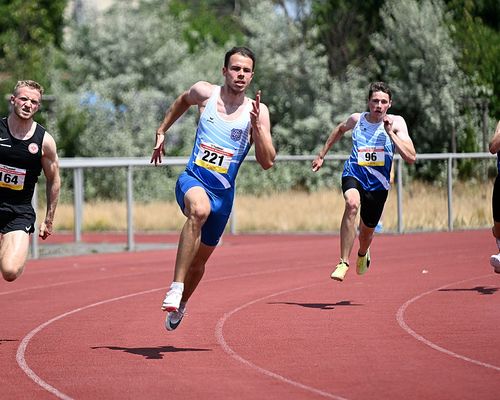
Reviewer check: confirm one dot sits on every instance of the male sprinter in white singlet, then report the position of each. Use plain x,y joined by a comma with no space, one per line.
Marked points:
229,124
366,175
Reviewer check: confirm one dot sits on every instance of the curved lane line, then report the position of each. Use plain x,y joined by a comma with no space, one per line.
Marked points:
220,339
49,285
13,291
420,338
21,350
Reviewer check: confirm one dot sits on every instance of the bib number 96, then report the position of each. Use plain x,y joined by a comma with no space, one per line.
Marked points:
373,157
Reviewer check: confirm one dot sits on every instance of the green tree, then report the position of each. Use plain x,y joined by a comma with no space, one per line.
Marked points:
207,20
123,69
418,58
304,102
292,74
123,60
30,31
344,28
475,27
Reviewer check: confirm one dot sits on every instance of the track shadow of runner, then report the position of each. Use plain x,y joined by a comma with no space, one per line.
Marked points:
321,306
479,289
8,340
150,353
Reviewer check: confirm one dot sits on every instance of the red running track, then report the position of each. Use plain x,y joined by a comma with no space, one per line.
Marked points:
267,322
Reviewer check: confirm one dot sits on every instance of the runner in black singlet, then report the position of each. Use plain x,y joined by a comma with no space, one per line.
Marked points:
495,149
26,150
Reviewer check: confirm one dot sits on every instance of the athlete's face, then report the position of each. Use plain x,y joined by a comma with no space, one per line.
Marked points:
26,102
239,72
378,105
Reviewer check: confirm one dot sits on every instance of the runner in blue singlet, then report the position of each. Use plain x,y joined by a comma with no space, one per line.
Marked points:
219,149
495,149
229,124
376,135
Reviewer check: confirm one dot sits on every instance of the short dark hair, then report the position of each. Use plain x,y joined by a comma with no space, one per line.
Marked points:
244,51
379,87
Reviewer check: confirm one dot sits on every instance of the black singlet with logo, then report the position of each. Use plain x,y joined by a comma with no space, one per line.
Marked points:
20,167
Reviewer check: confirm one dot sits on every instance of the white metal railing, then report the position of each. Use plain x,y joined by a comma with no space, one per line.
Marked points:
78,165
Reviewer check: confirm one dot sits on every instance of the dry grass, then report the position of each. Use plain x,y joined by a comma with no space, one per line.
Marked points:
104,216
424,208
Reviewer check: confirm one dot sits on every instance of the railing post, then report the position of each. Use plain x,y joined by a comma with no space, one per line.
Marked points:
233,229
232,221
399,192
78,202
34,237
450,193
130,209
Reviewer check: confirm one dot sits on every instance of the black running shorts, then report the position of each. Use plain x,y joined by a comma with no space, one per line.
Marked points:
372,203
10,222
496,200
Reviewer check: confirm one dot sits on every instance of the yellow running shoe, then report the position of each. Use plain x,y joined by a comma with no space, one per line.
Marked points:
340,270
363,263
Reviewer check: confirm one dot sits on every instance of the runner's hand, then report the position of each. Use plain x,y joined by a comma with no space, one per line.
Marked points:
254,114
158,150
388,121
45,230
317,163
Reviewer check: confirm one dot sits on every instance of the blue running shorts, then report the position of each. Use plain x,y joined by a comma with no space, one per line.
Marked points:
221,203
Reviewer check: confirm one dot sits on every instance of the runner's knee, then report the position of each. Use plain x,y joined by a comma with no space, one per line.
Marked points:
496,230
352,206
198,212
11,272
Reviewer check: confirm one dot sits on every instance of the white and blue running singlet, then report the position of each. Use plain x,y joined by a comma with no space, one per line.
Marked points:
371,157
220,145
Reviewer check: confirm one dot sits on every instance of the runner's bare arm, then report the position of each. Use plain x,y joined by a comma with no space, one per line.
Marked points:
396,128
50,166
197,94
495,140
265,152
333,138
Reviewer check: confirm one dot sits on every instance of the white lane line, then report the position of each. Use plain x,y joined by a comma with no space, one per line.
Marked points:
219,334
97,267
401,321
50,285
21,350
142,273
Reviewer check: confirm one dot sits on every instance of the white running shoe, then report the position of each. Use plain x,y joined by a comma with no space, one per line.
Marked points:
495,262
174,318
172,300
